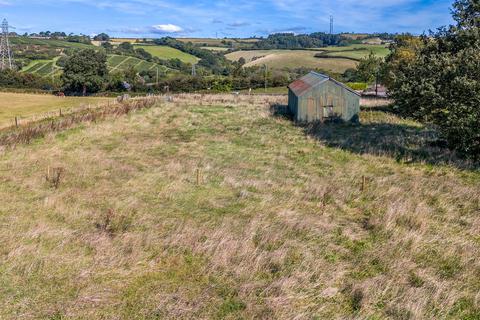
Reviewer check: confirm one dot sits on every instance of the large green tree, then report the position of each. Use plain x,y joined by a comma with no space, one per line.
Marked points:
85,72
403,51
102,37
368,68
441,85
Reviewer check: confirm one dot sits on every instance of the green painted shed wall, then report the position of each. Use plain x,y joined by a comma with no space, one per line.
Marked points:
313,104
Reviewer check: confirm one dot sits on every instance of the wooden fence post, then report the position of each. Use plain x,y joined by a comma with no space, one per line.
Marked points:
16,122
198,177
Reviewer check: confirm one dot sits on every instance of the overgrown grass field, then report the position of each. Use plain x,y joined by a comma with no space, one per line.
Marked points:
219,207
24,105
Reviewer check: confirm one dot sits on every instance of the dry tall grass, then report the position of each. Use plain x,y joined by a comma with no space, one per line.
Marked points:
210,207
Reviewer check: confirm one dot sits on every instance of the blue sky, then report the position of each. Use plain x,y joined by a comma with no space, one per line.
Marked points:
225,18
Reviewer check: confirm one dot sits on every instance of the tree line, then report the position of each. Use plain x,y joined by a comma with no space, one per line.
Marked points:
302,41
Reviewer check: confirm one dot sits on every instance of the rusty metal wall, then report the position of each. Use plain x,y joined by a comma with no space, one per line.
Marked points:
311,106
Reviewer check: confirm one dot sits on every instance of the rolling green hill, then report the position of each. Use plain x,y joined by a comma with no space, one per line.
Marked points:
121,63
166,53
49,43
356,51
291,59
45,68
337,59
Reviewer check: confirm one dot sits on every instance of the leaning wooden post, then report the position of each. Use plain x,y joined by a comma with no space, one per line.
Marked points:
16,122
198,176
364,182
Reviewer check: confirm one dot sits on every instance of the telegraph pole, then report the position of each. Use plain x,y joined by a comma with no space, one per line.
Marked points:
194,70
6,58
266,74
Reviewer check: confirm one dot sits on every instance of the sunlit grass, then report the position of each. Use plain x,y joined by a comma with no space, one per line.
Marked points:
28,105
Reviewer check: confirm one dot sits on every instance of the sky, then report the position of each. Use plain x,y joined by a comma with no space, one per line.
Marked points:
224,18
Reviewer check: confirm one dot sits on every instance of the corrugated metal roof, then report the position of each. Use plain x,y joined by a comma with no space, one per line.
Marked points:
307,82
311,80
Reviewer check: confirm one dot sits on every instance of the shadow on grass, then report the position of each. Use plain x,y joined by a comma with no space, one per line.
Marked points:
385,108
403,142
281,111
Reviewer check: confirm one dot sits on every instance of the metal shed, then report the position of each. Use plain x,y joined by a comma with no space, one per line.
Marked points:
317,97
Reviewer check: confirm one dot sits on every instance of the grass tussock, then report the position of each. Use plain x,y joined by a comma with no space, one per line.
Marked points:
210,207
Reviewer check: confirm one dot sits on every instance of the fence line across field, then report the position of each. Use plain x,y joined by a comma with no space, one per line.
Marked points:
19,121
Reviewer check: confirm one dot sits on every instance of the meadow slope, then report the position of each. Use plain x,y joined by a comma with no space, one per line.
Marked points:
212,207
291,59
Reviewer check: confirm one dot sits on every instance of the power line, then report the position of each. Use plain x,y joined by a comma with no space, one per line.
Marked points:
6,57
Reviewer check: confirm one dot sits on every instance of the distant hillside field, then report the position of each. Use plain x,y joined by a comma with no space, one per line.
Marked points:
120,40
357,51
48,43
215,48
217,42
46,68
281,59
166,53
27,105
119,63
42,68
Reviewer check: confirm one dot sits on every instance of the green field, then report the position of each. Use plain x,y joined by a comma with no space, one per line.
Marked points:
48,43
122,63
356,51
282,59
220,49
28,105
44,68
166,53
213,207
115,63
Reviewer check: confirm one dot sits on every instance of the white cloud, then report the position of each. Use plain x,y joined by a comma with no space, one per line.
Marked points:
167,28
4,3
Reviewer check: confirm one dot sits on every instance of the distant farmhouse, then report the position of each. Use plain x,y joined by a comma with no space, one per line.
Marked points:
317,97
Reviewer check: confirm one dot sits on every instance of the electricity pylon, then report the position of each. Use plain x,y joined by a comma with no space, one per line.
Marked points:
6,58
